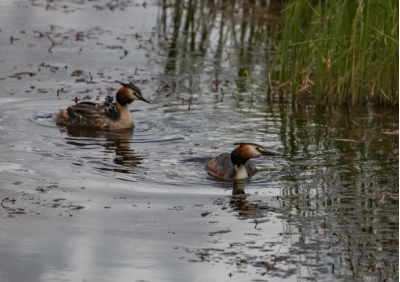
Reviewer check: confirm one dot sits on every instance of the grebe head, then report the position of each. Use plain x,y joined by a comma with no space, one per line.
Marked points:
245,151
128,93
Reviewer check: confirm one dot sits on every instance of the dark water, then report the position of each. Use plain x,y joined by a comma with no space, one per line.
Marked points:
138,205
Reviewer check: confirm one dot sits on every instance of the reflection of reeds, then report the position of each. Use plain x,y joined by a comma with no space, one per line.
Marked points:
344,185
341,51
207,36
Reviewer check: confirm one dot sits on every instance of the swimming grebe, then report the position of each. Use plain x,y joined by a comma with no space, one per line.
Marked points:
109,115
236,165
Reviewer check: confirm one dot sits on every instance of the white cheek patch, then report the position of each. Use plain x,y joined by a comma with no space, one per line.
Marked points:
255,153
131,95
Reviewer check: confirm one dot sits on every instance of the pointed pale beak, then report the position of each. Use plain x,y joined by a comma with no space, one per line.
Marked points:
143,99
268,153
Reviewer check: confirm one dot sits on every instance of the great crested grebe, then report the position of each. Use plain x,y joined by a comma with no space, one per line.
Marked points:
236,165
109,115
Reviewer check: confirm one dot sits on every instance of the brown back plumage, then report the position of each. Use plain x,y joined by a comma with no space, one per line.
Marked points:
107,115
89,114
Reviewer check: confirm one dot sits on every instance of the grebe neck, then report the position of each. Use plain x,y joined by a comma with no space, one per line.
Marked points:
125,116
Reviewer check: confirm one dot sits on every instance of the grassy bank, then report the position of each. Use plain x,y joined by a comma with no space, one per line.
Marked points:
340,51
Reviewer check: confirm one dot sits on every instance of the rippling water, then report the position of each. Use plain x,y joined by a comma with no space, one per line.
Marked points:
137,205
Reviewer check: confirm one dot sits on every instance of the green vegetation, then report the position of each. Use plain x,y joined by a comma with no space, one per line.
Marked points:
341,51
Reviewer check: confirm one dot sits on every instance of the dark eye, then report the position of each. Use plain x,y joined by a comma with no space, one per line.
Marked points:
257,148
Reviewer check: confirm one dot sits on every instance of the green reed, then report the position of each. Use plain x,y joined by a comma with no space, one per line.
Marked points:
342,51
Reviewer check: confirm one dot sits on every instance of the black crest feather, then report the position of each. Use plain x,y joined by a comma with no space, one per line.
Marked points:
131,86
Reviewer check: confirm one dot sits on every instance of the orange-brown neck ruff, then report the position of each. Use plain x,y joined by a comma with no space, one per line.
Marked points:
124,96
241,155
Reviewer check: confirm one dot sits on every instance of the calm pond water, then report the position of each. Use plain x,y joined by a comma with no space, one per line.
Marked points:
138,205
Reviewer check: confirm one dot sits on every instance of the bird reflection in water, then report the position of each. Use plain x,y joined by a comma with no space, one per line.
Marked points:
238,186
238,201
118,141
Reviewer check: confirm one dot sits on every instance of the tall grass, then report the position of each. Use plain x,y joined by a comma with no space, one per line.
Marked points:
342,51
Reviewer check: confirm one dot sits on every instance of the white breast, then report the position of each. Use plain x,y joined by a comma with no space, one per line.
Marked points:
241,172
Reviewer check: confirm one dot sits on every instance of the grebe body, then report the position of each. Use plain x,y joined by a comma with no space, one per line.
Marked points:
237,164
109,115
222,167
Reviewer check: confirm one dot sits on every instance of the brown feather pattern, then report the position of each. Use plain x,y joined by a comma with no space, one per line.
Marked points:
89,114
